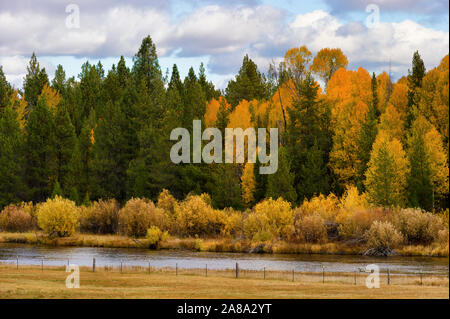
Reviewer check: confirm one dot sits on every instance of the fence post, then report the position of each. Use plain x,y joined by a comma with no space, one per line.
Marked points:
323,274
176,269
17,262
355,276
389,277
206,270
121,267
149,267
421,277
93,264
264,273
292,274
42,264
237,270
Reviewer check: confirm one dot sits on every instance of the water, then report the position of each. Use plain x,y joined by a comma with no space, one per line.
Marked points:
82,256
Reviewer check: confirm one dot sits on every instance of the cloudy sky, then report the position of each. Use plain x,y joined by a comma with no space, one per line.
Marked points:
220,33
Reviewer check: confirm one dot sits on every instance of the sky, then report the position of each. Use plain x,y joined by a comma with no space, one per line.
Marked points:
379,35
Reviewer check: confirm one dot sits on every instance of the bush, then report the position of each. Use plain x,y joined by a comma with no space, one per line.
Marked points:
169,205
270,219
195,216
354,223
58,217
352,200
233,223
138,215
419,227
383,236
155,236
311,229
326,207
102,217
443,236
15,219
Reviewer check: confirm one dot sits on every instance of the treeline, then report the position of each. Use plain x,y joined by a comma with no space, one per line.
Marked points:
105,136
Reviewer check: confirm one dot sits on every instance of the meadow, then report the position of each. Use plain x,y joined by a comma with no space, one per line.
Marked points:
32,282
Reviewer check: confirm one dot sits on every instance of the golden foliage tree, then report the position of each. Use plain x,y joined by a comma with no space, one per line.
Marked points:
386,176
327,61
248,184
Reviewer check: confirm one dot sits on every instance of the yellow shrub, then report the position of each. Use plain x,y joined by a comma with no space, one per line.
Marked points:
326,207
138,215
167,202
155,236
383,235
311,229
233,223
195,216
58,217
15,219
102,217
419,227
352,200
169,205
270,219
354,223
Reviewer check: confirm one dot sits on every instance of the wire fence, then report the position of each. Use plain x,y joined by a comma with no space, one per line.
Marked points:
322,275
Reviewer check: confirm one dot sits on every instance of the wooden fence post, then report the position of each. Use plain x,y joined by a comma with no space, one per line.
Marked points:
237,270
149,267
121,267
323,274
206,270
355,277
421,277
389,277
17,262
292,274
93,264
176,269
42,264
264,273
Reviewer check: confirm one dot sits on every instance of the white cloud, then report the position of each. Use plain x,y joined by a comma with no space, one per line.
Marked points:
223,32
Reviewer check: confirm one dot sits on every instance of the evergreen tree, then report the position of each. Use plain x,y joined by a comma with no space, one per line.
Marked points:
194,100
109,162
281,183
249,84
414,83
34,81
207,86
314,174
57,191
41,161
59,82
11,158
309,140
145,64
65,140
5,90
226,191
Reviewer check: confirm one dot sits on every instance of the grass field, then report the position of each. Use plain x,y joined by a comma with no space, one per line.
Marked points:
32,282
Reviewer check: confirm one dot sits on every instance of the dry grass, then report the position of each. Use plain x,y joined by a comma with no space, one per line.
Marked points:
31,282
